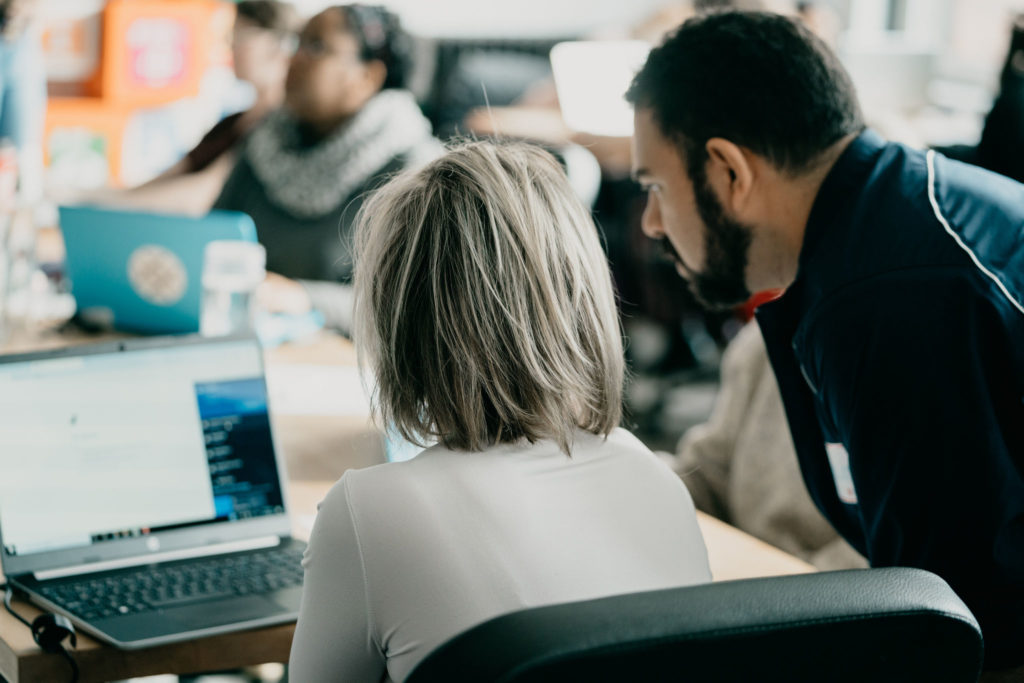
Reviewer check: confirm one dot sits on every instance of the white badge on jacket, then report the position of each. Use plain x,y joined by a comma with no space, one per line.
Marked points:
839,459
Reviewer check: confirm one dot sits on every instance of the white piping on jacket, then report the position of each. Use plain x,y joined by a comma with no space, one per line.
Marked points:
945,224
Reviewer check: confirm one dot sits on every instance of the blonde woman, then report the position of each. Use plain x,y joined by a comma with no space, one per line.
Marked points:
484,308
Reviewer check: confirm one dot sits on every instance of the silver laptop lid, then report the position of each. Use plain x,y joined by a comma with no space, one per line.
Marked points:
591,77
130,448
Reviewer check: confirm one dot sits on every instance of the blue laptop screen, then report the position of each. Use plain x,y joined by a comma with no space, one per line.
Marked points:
107,446
235,422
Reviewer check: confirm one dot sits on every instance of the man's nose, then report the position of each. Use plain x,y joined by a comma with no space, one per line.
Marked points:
650,221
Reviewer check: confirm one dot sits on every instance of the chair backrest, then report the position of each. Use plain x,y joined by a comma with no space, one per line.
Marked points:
878,625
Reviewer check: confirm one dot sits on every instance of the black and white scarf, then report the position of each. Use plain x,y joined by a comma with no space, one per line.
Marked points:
310,182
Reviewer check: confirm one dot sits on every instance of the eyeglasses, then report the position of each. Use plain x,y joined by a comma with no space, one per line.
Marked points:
288,40
316,48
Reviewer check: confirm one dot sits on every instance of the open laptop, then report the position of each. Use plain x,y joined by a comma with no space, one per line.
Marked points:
142,494
142,272
591,77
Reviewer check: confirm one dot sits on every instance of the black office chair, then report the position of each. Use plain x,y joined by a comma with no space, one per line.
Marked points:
856,626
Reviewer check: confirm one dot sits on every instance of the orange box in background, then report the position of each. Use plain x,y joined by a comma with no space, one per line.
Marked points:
71,45
123,77
84,142
154,51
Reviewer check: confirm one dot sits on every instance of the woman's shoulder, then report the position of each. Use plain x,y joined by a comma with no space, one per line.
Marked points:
440,461
618,441
627,452
391,474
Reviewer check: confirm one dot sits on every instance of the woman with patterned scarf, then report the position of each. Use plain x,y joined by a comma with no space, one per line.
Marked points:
347,125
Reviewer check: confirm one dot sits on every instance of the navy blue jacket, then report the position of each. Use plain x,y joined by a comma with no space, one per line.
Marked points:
899,352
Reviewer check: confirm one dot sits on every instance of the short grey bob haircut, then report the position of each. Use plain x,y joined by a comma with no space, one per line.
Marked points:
484,304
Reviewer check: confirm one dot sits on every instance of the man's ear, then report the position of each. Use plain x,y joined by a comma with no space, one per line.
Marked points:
730,174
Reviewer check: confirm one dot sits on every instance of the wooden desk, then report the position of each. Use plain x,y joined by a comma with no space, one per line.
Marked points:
317,450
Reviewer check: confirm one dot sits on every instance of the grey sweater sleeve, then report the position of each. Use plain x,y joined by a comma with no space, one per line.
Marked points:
334,301
335,638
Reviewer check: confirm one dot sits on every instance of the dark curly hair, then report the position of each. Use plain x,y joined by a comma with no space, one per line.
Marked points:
757,79
279,17
381,37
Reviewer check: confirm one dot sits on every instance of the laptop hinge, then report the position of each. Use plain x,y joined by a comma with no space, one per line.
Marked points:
168,556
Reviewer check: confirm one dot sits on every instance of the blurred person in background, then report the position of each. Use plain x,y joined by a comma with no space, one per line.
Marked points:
22,92
262,41
1001,148
740,465
347,124
898,344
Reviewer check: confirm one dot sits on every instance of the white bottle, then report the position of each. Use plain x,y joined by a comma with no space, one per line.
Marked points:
232,269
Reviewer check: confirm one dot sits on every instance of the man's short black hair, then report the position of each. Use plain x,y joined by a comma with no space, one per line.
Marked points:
760,80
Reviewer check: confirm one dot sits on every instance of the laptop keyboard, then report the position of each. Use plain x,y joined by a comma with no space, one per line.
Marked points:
142,589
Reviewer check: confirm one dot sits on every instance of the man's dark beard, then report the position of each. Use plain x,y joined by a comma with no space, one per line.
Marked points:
721,284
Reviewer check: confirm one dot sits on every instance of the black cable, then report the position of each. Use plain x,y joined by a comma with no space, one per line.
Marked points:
59,648
8,594
71,662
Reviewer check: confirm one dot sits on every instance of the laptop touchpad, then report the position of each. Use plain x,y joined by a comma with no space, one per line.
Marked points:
219,612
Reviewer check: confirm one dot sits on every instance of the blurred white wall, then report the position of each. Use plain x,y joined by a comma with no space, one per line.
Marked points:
905,55
508,18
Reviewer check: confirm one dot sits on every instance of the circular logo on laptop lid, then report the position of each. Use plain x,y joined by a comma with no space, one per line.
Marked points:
157,275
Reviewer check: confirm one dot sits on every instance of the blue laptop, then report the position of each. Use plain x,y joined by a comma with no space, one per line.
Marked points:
142,272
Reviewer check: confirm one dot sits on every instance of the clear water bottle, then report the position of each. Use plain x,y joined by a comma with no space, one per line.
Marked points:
232,270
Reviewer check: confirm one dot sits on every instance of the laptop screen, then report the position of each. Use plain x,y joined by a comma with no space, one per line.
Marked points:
591,78
108,446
